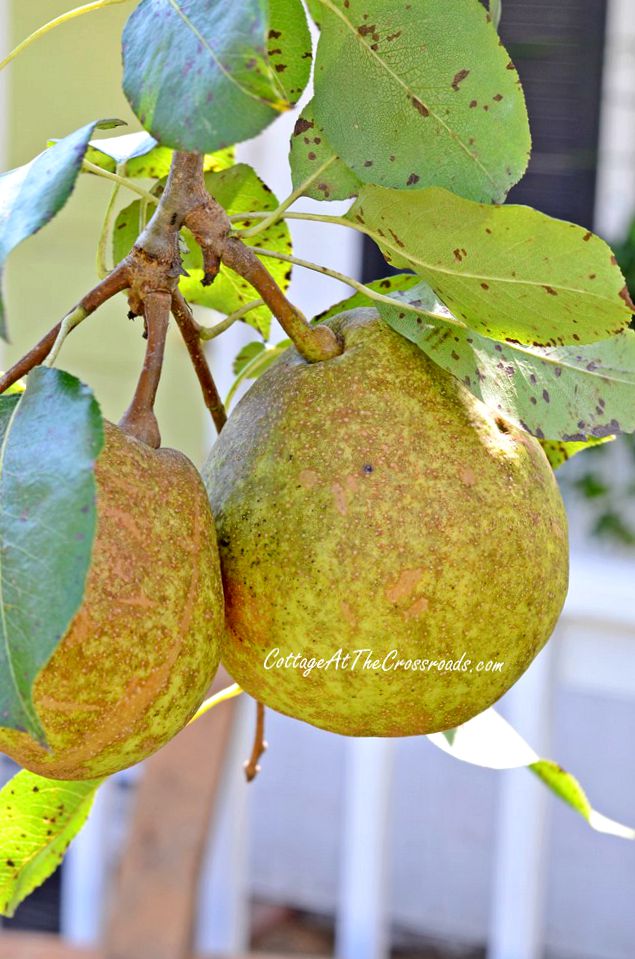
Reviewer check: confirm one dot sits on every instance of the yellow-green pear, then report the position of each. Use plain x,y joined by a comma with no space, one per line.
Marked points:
141,652
394,554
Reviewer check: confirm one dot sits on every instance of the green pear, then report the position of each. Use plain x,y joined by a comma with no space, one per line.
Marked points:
394,554
141,652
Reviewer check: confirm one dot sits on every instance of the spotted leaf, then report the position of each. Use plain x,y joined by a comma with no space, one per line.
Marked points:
420,94
569,394
198,73
39,819
315,167
139,155
508,272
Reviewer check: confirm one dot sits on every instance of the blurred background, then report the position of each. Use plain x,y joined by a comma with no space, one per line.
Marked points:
365,848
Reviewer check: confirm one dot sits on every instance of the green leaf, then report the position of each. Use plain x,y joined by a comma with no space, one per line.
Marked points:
315,167
246,355
50,437
558,393
39,819
239,190
259,362
139,155
421,94
290,47
508,272
31,195
198,74
558,452
489,740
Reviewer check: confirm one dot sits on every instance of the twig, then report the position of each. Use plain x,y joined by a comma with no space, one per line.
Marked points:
252,767
113,284
190,332
313,343
139,420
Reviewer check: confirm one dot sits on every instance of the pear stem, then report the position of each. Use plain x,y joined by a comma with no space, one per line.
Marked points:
191,333
140,420
313,343
252,767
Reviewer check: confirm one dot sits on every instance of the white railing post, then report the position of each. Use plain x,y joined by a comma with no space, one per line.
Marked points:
223,926
362,930
516,927
84,873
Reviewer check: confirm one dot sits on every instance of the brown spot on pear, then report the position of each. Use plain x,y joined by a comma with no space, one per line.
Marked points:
491,556
141,652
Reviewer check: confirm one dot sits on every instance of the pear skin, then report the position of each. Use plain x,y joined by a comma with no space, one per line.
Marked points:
143,648
370,506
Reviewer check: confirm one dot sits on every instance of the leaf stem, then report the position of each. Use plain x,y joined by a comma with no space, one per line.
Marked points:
211,332
275,215
56,22
106,229
315,217
120,180
221,697
70,321
356,285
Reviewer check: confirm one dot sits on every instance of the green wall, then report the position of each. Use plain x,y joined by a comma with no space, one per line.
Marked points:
63,81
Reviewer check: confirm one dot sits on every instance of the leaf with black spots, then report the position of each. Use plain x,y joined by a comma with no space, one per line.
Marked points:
420,94
290,47
39,819
571,394
315,167
50,437
198,74
558,453
508,272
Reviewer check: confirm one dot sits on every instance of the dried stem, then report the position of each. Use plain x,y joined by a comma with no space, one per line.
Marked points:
252,767
113,284
139,420
190,331
314,343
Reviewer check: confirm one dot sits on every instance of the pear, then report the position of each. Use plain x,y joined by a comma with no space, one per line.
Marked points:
142,650
394,554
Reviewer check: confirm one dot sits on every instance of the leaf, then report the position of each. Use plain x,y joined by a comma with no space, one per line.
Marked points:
570,394
239,190
290,47
139,155
489,740
315,167
39,819
421,94
50,437
197,72
508,272
246,355
256,366
558,452
32,194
